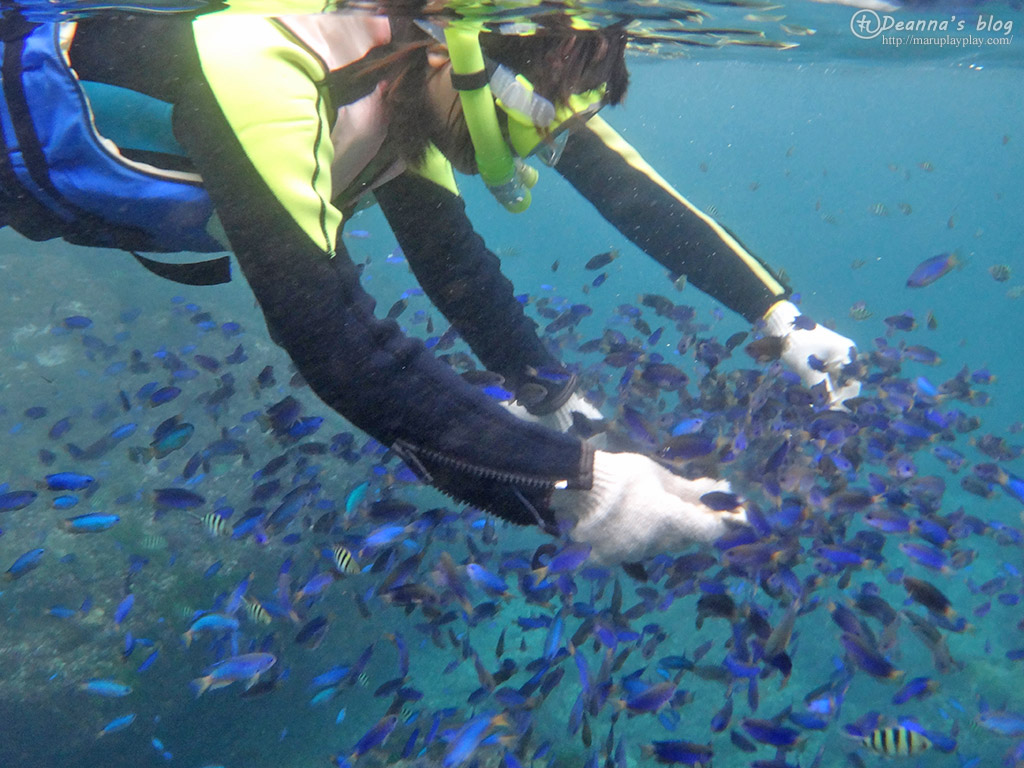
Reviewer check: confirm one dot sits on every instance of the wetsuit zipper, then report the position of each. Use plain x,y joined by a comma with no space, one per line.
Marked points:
412,454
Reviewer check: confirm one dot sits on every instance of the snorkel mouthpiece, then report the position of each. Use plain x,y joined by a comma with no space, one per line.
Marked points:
508,179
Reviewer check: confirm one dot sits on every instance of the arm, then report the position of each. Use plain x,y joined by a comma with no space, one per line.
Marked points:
267,175
461,276
644,207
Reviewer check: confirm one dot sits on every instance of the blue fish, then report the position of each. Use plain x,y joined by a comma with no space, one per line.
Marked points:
148,661
930,270
29,561
918,688
68,481
374,737
121,612
210,622
651,698
92,522
468,739
164,395
15,500
355,497
117,724
248,667
769,732
171,435
109,689
483,578
680,752
177,498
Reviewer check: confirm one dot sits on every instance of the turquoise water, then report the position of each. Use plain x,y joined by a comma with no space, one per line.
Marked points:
796,153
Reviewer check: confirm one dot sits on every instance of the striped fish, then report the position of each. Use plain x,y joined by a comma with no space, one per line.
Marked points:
896,741
344,562
256,612
215,524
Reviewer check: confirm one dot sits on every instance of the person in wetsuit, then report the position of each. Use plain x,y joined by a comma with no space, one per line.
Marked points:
289,121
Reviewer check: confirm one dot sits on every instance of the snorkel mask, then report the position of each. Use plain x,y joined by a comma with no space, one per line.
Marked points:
535,126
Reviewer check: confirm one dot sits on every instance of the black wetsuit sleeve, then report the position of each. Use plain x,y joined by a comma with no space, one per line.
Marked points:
629,195
385,383
461,276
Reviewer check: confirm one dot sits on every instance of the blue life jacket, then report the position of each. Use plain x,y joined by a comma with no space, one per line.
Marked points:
61,172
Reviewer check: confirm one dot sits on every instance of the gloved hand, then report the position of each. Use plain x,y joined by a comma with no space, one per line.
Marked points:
637,509
561,419
804,339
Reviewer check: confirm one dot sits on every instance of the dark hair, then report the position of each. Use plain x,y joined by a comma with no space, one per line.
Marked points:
410,118
560,60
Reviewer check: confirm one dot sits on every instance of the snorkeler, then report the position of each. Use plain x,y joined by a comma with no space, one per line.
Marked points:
282,126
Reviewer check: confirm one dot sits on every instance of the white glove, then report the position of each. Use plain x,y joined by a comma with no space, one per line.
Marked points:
831,350
637,509
561,419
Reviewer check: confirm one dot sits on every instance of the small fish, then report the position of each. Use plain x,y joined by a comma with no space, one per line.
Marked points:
121,612
255,611
248,667
1000,272
651,698
680,753
869,659
343,560
68,481
117,724
930,270
483,578
164,395
860,311
93,522
1003,722
312,633
397,309
15,500
688,446
469,737
358,234
901,322
29,561
169,436
216,524
928,556
896,741
879,209
374,737
210,622
928,595
720,501
771,733
109,689
601,260
766,349
918,688
177,498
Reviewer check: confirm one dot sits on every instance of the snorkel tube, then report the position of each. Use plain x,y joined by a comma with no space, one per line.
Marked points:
509,179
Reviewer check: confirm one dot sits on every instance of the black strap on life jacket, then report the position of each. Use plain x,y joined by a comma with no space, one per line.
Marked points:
207,272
